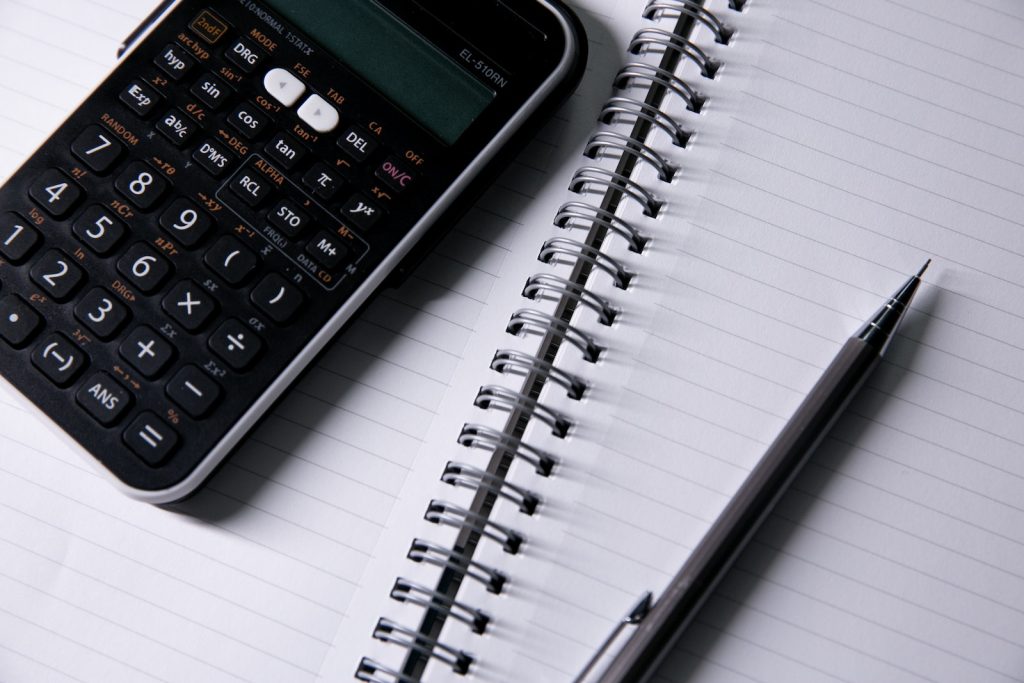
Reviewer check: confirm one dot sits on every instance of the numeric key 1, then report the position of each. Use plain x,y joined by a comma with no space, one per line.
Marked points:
17,239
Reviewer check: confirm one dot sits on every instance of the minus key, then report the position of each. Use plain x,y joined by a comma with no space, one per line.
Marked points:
194,391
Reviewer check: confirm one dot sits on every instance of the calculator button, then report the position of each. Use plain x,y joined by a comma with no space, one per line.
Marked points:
277,298
244,55
102,313
211,91
57,275
174,61
59,359
147,352
288,218
251,186
230,260
248,120
177,127
17,239
285,151
283,86
97,149
394,175
327,250
194,391
319,114
142,185
357,143
360,212
104,399
18,322
323,181
99,229
213,158
140,98
56,193
189,305
236,344
151,439
209,26
144,267
186,222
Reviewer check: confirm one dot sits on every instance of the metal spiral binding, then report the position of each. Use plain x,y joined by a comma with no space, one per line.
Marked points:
489,439
410,639
657,9
529,319
597,221
648,73
368,670
467,476
449,558
618,109
649,38
586,216
450,514
407,591
608,139
558,247
495,396
507,361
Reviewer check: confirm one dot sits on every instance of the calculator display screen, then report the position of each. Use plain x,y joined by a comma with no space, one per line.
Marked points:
416,76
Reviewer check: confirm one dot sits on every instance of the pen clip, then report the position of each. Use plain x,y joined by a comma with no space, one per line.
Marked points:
632,618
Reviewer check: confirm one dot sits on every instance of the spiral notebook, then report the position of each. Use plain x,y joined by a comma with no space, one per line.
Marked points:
489,468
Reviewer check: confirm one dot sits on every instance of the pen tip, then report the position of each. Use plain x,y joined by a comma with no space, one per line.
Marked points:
924,268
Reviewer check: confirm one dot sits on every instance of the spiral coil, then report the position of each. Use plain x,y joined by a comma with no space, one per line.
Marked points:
597,221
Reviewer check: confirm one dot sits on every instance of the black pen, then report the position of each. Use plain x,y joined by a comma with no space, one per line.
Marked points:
673,611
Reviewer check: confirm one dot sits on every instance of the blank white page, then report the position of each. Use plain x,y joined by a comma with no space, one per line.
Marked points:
254,580
842,146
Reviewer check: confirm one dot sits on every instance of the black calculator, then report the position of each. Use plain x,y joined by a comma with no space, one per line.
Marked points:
179,251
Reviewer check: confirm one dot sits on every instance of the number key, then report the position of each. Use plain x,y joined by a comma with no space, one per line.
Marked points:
17,239
97,149
56,193
57,275
184,221
99,229
102,313
142,185
144,267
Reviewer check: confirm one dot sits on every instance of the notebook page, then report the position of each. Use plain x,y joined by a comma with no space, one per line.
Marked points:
253,579
834,156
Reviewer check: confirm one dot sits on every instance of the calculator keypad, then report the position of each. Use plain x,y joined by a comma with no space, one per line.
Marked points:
174,249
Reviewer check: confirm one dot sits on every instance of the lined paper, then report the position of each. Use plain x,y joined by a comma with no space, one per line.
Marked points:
840,148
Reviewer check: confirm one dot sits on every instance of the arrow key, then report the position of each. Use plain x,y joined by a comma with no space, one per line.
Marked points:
283,86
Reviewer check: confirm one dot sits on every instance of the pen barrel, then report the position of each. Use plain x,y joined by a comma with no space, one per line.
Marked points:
742,516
